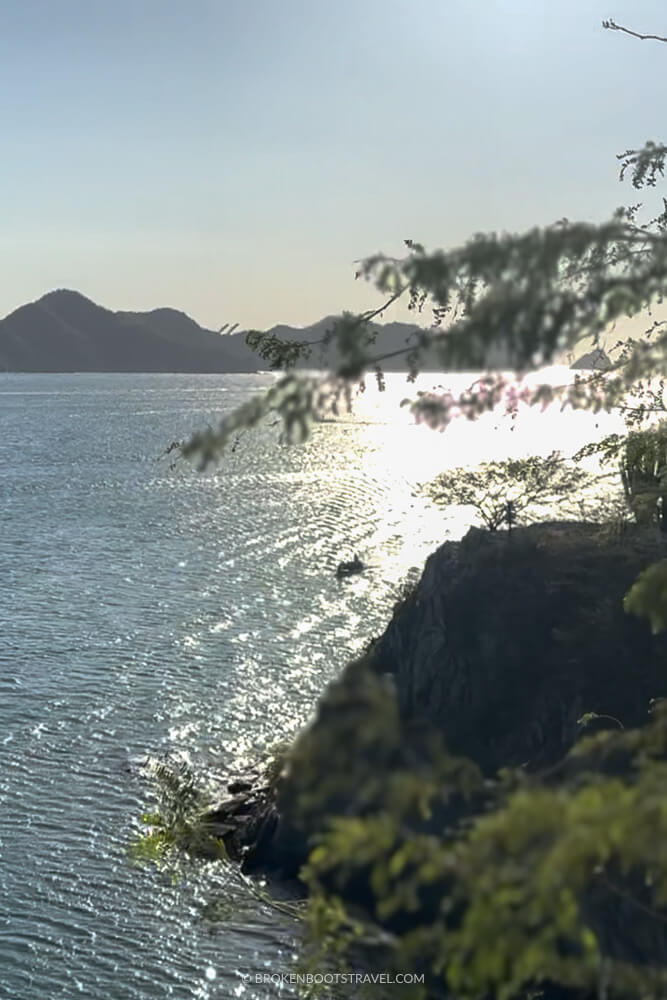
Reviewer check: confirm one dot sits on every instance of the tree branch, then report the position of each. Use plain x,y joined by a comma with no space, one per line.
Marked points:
370,314
612,26
629,898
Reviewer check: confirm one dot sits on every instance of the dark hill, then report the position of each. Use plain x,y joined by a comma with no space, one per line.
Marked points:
66,332
390,339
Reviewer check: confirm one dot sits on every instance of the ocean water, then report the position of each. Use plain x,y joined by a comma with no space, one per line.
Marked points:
147,610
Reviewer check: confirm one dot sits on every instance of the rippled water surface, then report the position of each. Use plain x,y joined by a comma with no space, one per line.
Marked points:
144,610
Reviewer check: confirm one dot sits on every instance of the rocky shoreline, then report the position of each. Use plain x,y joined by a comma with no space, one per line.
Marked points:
505,654
498,652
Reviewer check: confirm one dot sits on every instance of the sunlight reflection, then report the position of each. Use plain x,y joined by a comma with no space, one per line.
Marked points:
405,454
493,435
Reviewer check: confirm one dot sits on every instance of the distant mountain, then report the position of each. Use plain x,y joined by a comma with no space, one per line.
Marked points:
595,360
66,332
391,338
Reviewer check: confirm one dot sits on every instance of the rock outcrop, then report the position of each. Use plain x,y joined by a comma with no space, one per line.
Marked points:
509,649
503,646
508,640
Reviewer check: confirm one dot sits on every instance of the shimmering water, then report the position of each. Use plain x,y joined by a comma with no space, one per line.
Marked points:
145,610
142,610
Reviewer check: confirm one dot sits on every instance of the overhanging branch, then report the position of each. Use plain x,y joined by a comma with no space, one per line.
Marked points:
612,26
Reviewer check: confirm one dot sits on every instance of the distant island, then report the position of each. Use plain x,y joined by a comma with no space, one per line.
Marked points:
66,332
595,360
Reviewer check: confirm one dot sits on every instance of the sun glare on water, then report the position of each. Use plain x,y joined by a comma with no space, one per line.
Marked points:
493,436
413,454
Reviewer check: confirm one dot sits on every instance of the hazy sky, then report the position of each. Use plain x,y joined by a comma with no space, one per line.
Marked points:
233,157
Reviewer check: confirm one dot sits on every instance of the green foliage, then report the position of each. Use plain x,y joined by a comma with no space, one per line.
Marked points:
276,352
340,941
523,482
642,461
648,596
644,471
176,829
351,335
553,864
564,882
276,760
152,846
641,457
646,165
533,294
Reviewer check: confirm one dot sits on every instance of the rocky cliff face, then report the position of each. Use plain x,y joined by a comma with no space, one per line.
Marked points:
509,639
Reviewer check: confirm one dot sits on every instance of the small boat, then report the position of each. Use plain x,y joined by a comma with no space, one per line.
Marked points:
350,568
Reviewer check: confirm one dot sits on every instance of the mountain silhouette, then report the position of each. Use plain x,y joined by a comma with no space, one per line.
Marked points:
66,332
595,360
390,339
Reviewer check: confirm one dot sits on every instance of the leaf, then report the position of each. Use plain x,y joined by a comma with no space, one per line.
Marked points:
647,598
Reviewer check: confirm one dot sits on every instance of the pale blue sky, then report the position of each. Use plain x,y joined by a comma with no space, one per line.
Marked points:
233,157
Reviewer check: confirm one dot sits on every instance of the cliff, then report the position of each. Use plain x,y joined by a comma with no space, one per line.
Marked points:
504,645
508,651
509,640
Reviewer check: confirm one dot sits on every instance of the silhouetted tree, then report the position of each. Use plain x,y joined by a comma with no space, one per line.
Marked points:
501,492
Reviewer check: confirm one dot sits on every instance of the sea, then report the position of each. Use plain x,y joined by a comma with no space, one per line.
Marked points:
148,611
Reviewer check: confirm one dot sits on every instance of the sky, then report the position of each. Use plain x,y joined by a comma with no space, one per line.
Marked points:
233,158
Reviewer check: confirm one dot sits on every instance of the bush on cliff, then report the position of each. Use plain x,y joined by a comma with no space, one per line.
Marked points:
559,890
176,827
